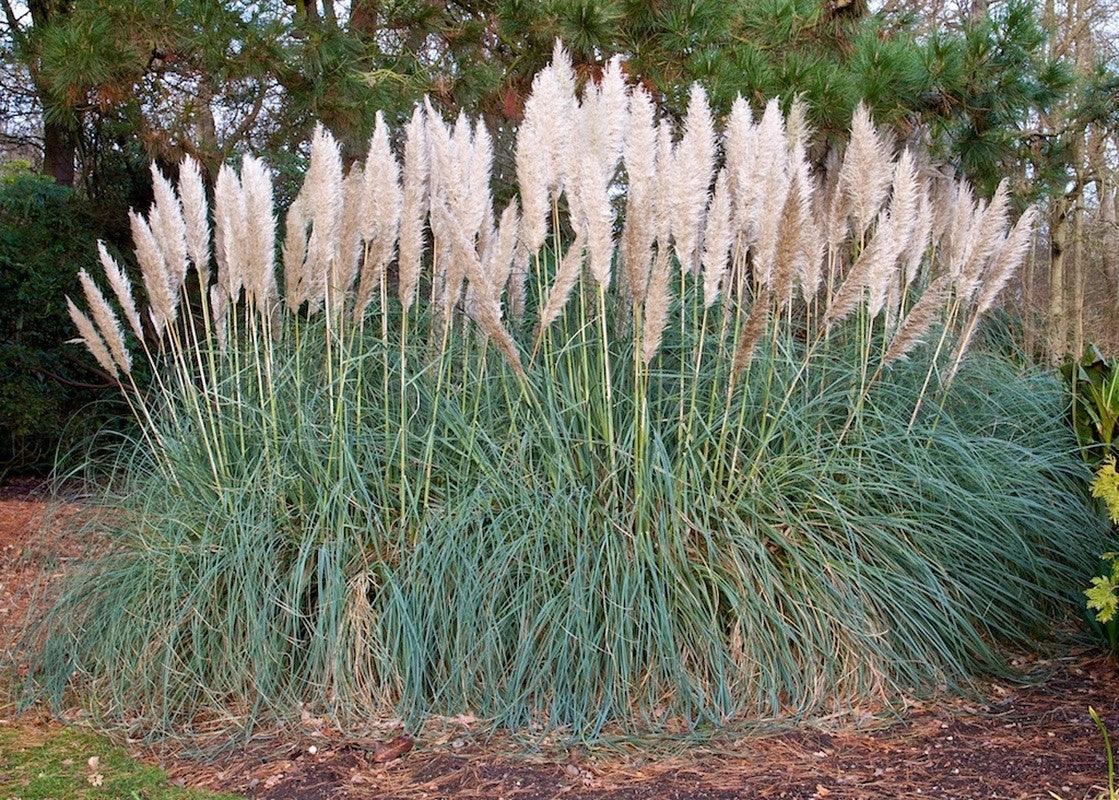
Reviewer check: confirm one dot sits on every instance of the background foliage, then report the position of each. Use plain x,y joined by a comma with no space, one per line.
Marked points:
44,382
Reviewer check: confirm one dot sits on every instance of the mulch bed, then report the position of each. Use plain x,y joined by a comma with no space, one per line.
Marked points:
1016,741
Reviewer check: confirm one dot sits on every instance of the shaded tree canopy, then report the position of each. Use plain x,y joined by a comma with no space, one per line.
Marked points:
116,83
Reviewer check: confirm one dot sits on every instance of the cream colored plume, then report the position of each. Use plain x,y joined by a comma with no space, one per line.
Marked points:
872,261
598,213
567,273
322,190
666,185
694,168
485,306
833,202
381,193
196,215
91,339
641,200
914,253
295,252
717,238
166,220
603,115
477,204
865,174
260,234
499,261
413,208
563,106
987,232
219,304
797,128
107,322
533,162
658,299
790,250
230,221
122,288
919,320
350,251
381,207
960,228
741,155
812,243
882,274
1007,258
157,283
752,332
771,178
942,199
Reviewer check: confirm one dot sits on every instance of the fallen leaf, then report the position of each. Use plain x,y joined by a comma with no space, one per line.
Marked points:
393,750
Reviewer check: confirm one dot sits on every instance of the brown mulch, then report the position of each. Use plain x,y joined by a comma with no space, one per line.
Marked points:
1016,741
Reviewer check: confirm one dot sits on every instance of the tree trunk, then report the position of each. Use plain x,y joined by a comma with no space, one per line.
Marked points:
1077,278
1058,315
59,148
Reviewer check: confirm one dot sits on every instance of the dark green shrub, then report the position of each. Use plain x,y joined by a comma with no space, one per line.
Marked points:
46,235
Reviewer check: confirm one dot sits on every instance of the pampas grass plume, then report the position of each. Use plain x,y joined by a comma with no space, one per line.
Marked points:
153,270
741,154
166,220
716,239
91,338
122,288
657,302
865,174
413,207
260,233
771,180
324,197
230,223
919,320
1008,256
694,168
294,252
107,323
196,216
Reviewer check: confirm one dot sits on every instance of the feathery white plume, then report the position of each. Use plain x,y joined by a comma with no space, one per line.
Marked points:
230,221
716,239
153,270
345,264
1008,256
895,236
694,167
640,160
260,234
107,322
91,338
413,208
741,155
771,178
166,220
534,165
865,174
295,252
122,288
196,216
324,196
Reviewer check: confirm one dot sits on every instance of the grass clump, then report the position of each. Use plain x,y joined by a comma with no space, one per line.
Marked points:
740,466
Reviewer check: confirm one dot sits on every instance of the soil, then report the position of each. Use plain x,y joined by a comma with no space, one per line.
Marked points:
1015,741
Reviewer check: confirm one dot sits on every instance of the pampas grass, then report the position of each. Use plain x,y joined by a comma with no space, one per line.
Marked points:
566,479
